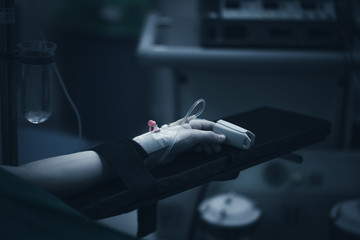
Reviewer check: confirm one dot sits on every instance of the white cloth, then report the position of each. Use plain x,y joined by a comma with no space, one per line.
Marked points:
154,141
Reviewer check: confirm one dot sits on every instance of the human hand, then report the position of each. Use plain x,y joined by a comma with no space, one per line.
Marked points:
197,133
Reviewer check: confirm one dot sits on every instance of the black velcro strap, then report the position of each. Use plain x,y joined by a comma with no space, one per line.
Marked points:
127,159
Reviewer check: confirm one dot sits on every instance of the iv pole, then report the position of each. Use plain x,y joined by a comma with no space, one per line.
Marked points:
8,100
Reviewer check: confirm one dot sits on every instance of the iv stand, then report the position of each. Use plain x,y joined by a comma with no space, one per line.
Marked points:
8,99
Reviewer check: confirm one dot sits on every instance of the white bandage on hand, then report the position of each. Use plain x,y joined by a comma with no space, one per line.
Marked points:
196,132
154,141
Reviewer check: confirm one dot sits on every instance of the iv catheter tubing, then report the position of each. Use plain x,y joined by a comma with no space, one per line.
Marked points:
166,153
70,101
58,75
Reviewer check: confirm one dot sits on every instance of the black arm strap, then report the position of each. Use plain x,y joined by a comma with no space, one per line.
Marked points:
126,157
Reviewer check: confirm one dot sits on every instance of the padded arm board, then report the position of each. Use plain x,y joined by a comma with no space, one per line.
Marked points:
277,133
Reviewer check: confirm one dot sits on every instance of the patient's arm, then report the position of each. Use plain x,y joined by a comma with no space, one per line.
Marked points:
72,173
67,174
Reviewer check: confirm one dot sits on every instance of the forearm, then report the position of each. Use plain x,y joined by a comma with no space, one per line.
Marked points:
67,174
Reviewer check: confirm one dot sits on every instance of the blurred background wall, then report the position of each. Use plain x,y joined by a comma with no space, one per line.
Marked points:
96,56
116,95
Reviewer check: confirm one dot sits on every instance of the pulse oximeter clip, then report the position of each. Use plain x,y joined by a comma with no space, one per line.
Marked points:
235,136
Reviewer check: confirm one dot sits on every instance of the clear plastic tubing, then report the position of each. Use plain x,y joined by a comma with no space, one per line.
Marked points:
191,109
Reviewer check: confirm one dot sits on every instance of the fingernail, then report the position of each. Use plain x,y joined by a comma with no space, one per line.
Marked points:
222,137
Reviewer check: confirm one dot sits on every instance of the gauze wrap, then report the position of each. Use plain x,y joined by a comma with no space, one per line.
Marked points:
154,141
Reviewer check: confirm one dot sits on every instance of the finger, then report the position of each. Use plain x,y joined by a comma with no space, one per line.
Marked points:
216,147
210,148
178,122
202,124
207,149
198,148
207,136
190,118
